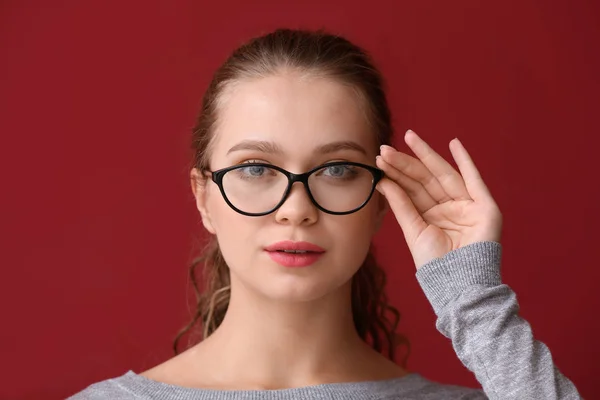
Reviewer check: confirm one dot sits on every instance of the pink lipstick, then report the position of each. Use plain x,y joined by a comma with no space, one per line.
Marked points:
294,254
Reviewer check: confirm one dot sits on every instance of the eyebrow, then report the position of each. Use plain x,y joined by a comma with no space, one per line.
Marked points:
273,148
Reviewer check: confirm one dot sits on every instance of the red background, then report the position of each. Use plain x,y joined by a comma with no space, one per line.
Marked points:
97,102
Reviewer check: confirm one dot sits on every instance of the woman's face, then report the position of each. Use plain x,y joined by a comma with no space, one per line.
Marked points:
287,120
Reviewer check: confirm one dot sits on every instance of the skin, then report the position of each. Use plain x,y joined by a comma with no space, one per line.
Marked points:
290,328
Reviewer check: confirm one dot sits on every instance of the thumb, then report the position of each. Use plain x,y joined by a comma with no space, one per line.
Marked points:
409,219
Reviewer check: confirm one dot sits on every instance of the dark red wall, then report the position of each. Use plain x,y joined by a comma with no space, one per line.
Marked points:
97,100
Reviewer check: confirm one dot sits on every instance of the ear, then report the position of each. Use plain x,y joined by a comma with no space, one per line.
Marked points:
199,183
382,209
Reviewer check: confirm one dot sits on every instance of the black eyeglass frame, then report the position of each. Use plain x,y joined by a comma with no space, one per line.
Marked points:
217,177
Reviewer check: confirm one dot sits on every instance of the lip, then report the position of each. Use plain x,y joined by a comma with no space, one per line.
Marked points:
312,255
290,245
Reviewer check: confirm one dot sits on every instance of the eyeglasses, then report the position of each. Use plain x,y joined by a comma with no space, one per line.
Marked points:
256,189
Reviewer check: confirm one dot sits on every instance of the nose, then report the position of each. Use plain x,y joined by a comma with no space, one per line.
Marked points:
297,208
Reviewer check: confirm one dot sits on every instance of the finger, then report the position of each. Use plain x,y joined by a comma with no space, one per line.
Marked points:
409,219
478,190
447,176
419,196
416,170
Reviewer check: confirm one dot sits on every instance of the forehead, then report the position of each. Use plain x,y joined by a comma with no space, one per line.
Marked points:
297,112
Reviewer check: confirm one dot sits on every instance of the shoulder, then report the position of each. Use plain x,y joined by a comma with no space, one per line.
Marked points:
113,388
435,391
415,386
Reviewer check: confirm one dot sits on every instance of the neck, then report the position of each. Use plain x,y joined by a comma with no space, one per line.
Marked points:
286,344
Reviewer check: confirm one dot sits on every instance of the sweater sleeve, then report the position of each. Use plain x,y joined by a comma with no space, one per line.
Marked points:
479,314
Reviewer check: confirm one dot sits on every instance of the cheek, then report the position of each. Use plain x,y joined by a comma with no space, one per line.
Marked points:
358,231
353,233
365,220
236,233
228,224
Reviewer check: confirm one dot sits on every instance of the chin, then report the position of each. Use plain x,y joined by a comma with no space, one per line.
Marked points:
275,282
299,288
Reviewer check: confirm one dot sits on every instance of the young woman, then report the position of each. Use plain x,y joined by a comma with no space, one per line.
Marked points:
292,176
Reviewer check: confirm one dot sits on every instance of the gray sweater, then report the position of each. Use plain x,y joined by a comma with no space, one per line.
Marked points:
474,309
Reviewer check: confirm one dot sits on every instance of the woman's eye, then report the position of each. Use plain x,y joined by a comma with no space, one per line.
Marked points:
254,170
336,170
340,173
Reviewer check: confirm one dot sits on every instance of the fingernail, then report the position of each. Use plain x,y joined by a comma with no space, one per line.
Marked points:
385,147
410,131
